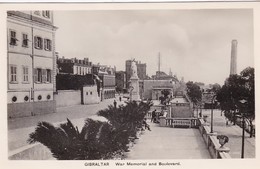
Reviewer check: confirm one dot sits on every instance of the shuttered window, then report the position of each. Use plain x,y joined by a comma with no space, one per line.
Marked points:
38,42
13,38
47,44
49,75
25,74
13,73
44,75
38,75
25,40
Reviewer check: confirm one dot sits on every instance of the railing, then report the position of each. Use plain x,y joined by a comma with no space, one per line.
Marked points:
181,122
214,148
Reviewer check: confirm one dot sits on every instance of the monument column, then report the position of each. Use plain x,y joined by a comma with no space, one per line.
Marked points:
134,83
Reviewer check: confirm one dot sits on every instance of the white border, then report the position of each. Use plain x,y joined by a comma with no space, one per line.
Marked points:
189,164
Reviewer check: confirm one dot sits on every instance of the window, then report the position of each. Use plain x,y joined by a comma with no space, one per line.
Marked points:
90,93
44,75
46,14
47,44
82,70
49,72
38,75
76,70
25,40
26,98
13,73
79,71
39,97
13,38
38,42
25,74
86,93
14,99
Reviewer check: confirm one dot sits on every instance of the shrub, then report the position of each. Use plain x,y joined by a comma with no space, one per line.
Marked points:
97,140
128,118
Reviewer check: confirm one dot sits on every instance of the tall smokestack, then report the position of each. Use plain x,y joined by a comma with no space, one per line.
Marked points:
233,63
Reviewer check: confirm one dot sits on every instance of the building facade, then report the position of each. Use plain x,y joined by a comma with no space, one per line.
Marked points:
152,88
141,71
74,66
31,63
107,77
120,81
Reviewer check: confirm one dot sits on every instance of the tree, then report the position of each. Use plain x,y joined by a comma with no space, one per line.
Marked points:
237,88
194,92
215,87
165,96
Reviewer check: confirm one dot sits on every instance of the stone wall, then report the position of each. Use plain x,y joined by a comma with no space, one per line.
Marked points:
30,108
67,98
181,111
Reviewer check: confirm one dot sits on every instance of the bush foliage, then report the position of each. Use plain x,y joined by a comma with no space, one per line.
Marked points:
97,139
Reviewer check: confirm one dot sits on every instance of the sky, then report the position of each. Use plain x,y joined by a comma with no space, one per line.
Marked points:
194,44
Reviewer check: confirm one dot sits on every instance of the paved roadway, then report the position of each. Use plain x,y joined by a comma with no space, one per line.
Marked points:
169,143
234,133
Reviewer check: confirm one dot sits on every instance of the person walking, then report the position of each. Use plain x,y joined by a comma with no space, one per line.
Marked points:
120,98
115,103
153,116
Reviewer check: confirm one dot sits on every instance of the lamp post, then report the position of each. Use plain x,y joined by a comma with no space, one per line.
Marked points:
200,110
212,101
243,129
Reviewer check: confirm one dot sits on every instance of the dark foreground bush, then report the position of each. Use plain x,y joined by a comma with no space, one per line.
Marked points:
127,118
97,140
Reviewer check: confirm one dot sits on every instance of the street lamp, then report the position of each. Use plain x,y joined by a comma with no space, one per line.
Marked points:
243,128
212,101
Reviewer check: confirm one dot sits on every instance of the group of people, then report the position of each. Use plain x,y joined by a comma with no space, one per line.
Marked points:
156,115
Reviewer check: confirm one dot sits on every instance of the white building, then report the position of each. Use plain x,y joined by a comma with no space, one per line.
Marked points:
31,63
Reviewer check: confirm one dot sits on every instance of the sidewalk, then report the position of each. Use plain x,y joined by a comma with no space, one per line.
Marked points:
169,143
234,133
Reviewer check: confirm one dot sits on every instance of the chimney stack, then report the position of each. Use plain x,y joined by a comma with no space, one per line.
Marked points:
233,63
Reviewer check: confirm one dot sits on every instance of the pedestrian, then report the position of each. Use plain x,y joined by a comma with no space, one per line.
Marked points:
146,126
226,122
153,116
115,103
120,98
